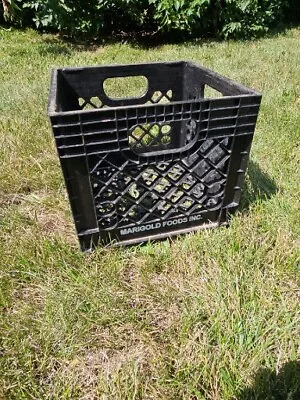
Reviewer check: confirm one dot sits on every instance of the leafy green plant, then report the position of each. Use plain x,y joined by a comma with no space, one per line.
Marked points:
66,16
246,18
72,19
220,18
183,15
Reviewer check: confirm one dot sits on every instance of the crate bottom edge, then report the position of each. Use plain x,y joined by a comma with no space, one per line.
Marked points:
95,241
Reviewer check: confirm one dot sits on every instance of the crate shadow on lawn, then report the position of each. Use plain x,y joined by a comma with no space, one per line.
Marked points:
272,385
258,186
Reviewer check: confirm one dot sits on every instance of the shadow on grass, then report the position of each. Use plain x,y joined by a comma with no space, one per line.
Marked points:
258,186
61,43
136,40
269,385
54,47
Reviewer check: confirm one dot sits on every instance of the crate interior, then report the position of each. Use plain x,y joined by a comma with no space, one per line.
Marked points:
127,85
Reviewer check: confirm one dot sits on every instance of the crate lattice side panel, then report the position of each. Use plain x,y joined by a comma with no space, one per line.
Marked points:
126,194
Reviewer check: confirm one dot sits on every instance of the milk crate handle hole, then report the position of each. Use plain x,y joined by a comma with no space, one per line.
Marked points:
126,87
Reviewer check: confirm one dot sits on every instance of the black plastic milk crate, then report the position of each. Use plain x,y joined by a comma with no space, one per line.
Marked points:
142,168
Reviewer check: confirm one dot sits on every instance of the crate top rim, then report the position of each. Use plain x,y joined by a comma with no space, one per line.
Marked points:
51,108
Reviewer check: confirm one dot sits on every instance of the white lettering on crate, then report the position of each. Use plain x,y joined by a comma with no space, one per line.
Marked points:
157,225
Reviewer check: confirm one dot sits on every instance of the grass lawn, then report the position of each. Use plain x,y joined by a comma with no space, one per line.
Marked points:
212,315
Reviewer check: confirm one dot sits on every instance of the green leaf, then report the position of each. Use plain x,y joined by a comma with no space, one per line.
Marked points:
244,4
